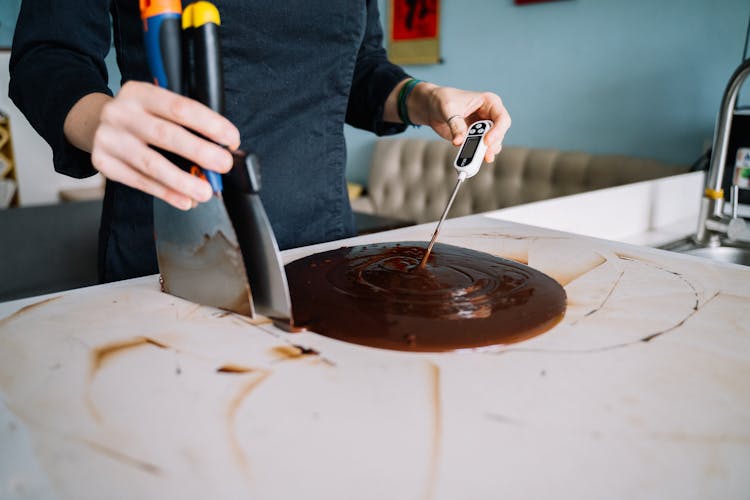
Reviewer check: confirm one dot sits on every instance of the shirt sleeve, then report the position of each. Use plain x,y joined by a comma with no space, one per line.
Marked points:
57,58
374,79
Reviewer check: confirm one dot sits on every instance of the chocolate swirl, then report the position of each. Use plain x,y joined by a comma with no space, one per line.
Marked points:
377,295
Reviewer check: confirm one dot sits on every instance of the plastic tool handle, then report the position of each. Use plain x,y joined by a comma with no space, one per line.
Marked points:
471,154
209,77
201,22
162,23
187,51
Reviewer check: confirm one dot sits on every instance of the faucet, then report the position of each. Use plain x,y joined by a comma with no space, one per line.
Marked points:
712,223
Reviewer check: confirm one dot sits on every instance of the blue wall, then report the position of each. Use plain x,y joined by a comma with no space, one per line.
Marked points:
634,77
8,15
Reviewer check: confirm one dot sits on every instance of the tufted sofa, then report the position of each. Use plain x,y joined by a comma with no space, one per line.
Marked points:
411,179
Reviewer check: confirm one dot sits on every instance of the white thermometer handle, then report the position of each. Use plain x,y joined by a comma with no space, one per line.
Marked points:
471,154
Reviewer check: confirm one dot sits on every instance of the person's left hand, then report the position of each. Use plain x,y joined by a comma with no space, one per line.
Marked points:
450,111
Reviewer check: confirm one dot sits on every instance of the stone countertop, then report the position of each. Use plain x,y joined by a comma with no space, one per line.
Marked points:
641,391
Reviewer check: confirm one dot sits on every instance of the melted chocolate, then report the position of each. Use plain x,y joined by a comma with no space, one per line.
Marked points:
378,295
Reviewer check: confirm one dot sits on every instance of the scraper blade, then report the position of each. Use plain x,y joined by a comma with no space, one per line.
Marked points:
265,269
199,257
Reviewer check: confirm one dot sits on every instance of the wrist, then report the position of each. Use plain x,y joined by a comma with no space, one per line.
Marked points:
418,102
82,120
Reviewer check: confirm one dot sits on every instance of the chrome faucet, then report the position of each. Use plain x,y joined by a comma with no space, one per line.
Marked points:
713,225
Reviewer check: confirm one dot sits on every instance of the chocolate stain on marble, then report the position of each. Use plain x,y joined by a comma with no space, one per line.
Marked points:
437,430
508,236
607,297
603,302
235,369
684,320
696,307
696,294
121,457
642,340
521,256
668,271
101,355
233,408
571,278
294,351
28,308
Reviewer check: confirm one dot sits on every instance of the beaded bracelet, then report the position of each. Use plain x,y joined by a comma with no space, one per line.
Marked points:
403,111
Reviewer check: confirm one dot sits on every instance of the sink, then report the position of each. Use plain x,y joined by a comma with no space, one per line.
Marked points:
724,254
734,254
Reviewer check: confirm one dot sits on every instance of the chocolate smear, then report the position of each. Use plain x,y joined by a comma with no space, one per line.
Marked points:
378,295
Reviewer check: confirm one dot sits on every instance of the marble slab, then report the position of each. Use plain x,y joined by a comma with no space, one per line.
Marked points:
642,391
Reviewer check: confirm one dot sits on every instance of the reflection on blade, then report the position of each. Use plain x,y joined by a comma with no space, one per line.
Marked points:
199,257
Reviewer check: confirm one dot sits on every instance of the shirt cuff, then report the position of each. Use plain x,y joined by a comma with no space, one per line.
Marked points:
386,78
68,159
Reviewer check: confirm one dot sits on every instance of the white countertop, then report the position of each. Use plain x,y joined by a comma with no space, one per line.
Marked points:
648,213
642,391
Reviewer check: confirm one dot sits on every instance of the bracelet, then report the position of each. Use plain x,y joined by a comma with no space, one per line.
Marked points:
403,111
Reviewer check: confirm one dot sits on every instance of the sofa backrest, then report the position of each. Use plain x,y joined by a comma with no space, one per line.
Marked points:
412,178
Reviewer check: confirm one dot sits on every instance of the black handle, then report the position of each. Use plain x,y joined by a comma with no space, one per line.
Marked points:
208,69
245,174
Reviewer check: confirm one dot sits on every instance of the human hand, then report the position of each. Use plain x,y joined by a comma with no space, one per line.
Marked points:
450,111
143,114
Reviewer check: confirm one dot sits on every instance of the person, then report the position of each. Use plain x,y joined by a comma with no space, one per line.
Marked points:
294,73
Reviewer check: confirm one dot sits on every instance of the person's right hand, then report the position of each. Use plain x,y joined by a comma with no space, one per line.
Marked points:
142,114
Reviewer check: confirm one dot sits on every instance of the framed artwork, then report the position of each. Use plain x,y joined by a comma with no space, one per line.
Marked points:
414,27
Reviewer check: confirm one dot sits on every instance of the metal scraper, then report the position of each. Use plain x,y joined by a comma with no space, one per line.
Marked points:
265,269
198,252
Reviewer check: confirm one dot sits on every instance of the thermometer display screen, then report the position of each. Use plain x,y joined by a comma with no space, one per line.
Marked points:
470,147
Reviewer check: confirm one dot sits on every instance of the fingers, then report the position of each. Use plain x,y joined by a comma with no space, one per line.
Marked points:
467,102
119,171
186,112
493,109
458,128
149,163
143,115
171,137
455,110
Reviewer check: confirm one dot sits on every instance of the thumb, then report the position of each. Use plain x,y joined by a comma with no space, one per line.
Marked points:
457,124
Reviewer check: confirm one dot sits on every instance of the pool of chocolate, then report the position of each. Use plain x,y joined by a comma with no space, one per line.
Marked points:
378,295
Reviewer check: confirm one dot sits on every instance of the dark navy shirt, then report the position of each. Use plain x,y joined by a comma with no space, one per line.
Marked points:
294,72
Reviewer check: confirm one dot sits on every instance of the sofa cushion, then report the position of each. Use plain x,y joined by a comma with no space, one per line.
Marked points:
413,178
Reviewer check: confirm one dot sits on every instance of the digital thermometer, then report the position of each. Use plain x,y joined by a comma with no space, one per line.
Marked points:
471,154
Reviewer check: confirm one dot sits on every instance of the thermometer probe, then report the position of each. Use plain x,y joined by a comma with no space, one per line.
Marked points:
467,163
